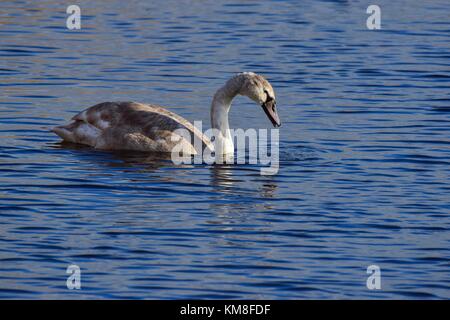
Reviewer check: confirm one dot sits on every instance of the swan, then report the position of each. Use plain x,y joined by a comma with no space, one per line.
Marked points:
147,127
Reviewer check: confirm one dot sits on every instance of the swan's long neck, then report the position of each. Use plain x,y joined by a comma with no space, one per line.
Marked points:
219,117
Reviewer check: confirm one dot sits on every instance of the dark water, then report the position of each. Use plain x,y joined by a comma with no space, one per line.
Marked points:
364,158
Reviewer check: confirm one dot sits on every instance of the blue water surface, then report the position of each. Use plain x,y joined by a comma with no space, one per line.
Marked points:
364,152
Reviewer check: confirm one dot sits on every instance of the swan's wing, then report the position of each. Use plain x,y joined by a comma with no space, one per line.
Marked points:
131,125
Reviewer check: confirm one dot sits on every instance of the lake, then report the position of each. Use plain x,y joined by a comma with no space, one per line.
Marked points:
364,152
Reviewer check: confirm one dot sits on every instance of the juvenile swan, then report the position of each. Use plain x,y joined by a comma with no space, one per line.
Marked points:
144,127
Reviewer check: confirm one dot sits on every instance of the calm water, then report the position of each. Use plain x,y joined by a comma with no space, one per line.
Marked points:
364,152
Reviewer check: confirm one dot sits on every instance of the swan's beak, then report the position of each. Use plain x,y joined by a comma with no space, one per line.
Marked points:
271,112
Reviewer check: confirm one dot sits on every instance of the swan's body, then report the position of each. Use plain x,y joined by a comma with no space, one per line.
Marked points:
144,127
128,126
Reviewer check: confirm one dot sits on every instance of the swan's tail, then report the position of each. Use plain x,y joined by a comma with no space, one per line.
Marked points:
78,132
66,132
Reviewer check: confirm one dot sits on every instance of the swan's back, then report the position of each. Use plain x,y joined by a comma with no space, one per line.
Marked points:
130,126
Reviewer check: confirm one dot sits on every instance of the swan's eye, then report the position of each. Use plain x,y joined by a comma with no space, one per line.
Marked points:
268,97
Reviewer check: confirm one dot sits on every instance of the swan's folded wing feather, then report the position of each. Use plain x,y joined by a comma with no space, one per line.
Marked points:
100,116
151,121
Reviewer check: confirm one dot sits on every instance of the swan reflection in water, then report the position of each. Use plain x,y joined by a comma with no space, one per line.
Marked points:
230,186
230,181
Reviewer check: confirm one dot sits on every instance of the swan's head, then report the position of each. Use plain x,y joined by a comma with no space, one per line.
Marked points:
258,89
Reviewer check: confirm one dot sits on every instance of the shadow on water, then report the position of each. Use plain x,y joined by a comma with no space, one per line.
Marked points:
149,161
